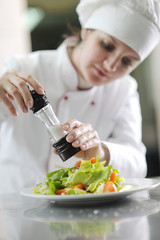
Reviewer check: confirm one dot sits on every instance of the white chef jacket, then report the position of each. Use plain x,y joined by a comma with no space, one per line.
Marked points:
26,154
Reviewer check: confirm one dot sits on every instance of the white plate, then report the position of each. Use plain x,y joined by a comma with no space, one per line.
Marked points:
137,184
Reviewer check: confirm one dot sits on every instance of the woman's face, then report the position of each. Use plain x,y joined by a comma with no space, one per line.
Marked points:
102,58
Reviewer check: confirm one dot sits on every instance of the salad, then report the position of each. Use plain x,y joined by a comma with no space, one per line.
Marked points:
86,176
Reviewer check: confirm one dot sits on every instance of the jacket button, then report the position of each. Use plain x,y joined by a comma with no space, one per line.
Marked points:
92,103
65,98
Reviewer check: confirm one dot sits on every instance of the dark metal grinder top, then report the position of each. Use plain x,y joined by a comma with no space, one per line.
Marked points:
39,101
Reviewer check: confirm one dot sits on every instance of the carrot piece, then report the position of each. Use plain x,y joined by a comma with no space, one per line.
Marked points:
113,177
78,164
60,191
80,186
109,187
93,160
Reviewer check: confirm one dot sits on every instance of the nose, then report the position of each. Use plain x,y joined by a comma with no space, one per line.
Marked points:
111,63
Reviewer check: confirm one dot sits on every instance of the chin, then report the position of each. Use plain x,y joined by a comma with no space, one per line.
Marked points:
97,82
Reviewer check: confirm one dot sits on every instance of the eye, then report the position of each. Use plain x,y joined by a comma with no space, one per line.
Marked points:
126,61
108,46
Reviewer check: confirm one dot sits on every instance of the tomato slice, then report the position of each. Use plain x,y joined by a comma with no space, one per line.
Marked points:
93,160
78,164
109,186
60,191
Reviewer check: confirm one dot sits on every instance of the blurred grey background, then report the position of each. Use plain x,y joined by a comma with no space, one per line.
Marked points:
30,25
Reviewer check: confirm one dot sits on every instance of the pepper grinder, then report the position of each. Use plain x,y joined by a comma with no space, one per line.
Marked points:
43,110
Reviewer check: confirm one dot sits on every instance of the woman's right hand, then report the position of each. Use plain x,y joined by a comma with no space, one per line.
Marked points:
13,86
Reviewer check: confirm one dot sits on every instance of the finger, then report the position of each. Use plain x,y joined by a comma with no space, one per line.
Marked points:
54,150
11,90
77,132
72,123
32,81
92,143
84,138
10,97
6,100
21,87
20,102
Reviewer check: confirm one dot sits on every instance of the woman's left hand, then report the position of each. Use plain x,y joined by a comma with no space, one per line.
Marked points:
84,136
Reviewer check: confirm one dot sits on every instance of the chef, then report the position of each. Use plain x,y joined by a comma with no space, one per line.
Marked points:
88,84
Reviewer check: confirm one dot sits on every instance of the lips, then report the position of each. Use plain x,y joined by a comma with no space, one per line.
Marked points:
100,72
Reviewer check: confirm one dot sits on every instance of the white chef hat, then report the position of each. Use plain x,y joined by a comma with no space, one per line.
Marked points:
134,22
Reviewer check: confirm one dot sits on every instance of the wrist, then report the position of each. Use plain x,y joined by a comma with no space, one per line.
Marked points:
105,154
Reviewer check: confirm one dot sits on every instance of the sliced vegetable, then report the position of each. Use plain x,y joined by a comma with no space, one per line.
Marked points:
80,186
113,177
109,187
93,160
78,164
61,191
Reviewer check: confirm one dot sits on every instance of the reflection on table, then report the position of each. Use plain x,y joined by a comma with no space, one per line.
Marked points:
132,218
